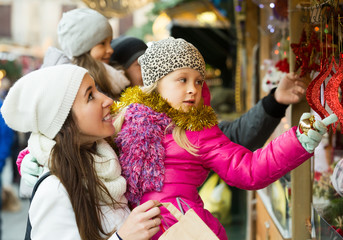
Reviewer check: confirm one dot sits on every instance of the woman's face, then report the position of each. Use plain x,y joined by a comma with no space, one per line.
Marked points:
91,111
102,51
181,88
134,74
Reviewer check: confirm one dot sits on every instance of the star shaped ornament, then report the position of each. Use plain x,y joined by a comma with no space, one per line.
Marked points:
303,52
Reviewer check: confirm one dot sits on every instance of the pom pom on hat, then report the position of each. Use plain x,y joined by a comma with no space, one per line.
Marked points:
165,56
126,50
40,101
80,30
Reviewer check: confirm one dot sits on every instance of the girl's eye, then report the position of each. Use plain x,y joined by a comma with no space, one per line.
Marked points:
183,80
200,82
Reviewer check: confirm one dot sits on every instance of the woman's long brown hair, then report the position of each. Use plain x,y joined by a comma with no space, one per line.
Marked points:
73,164
98,72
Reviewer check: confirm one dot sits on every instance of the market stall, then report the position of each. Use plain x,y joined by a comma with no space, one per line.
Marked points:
303,204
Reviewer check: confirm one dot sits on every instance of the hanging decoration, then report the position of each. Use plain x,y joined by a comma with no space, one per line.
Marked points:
335,83
274,73
331,93
328,63
304,53
116,8
310,48
313,93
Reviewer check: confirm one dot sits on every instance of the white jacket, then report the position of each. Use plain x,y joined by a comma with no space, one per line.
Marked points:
52,216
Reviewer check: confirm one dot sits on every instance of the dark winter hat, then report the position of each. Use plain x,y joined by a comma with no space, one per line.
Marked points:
126,50
168,55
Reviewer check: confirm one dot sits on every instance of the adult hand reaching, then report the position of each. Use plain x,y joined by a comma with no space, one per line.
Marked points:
291,89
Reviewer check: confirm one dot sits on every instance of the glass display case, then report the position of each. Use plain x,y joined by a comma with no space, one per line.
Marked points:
276,199
322,229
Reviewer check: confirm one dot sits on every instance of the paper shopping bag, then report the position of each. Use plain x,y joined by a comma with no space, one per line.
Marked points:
189,226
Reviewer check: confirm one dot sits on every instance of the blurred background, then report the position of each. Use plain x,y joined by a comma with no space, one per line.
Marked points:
28,28
241,40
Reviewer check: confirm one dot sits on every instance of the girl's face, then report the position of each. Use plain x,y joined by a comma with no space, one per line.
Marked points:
181,88
102,51
134,74
91,111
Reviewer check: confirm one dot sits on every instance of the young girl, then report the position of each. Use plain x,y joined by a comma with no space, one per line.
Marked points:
69,119
85,36
169,140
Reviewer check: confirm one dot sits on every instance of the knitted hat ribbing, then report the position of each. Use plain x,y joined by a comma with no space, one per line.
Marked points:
80,30
40,101
126,50
165,56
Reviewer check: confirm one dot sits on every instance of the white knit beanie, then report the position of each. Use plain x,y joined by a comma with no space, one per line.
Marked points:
80,30
40,101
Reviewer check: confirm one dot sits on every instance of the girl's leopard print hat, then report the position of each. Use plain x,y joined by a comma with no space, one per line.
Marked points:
167,55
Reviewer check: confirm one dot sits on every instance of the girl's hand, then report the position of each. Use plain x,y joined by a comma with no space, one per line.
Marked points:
310,131
30,170
143,222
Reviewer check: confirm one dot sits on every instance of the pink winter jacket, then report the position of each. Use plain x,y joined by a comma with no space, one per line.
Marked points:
177,173
236,165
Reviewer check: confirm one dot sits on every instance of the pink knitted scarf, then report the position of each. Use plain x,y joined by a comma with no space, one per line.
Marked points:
143,164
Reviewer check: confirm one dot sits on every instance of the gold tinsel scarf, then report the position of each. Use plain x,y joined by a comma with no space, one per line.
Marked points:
196,119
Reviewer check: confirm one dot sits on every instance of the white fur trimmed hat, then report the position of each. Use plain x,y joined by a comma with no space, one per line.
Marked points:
40,101
80,30
164,56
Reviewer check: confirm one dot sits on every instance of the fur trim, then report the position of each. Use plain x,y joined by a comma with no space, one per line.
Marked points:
143,164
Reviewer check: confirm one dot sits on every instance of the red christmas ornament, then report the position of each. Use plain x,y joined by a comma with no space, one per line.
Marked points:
331,93
282,65
303,51
313,94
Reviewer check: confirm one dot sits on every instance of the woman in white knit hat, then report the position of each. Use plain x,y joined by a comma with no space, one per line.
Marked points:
84,36
69,119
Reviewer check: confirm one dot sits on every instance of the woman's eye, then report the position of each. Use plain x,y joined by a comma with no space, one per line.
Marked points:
90,97
183,80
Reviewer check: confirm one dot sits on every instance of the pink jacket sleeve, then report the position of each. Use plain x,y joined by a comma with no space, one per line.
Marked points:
248,170
20,158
